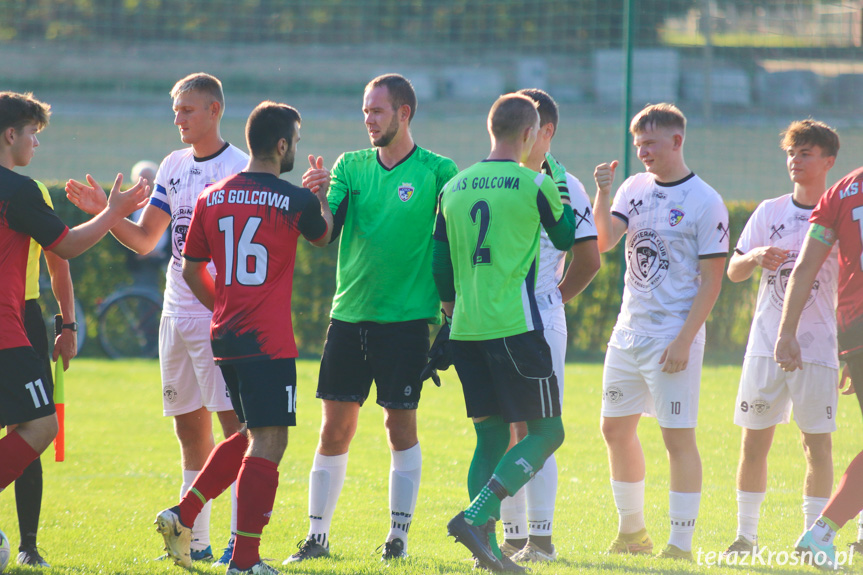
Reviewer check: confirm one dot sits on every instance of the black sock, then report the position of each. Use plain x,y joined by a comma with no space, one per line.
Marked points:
542,541
28,500
517,543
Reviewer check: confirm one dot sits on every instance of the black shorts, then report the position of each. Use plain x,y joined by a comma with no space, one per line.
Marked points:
26,393
391,354
34,325
263,393
510,376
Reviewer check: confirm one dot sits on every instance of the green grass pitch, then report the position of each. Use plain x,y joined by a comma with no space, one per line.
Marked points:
122,467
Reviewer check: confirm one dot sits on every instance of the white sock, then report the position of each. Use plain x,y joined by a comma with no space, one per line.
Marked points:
233,508
201,528
325,485
748,512
405,471
629,499
812,508
822,533
860,527
541,495
683,510
513,514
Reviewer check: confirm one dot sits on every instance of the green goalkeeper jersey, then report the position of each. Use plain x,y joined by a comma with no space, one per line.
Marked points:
385,218
490,217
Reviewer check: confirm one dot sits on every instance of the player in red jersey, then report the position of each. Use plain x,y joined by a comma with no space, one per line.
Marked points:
248,224
837,217
25,394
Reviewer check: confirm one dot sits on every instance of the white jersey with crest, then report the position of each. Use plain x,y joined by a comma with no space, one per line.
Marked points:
784,223
180,180
551,259
671,227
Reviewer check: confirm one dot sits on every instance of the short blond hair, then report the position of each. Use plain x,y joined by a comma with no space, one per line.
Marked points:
201,82
662,115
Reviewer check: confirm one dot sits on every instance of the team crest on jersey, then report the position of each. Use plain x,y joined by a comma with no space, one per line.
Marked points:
777,282
173,183
406,191
675,216
647,259
179,228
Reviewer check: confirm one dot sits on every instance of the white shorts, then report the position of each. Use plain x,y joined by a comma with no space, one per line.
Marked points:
633,382
766,395
554,331
190,377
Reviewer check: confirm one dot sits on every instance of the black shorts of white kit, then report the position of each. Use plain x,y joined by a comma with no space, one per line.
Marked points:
391,354
26,392
263,393
510,376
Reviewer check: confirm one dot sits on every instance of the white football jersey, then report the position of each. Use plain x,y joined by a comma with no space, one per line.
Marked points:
783,223
180,180
551,259
670,229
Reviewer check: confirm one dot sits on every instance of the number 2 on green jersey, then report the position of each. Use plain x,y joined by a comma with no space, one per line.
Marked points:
480,214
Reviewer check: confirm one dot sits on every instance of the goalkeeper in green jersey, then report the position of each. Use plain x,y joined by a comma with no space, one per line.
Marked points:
486,254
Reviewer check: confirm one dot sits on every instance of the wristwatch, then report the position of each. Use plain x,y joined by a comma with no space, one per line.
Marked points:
73,326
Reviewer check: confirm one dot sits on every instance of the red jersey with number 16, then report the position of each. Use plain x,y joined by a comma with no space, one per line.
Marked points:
248,224
841,210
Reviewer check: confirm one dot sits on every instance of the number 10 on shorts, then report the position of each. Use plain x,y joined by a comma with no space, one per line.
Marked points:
675,408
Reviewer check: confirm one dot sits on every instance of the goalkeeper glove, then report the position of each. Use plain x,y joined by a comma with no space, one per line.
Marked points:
440,354
557,172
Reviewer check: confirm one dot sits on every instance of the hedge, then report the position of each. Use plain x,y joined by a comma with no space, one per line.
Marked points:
590,317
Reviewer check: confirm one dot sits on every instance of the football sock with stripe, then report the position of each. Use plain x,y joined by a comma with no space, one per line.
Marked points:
256,493
748,513
541,494
513,515
824,531
28,501
16,454
201,528
847,500
812,508
683,510
325,485
405,472
219,472
629,500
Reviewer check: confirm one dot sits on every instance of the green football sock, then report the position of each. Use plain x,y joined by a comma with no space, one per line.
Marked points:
528,456
492,439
